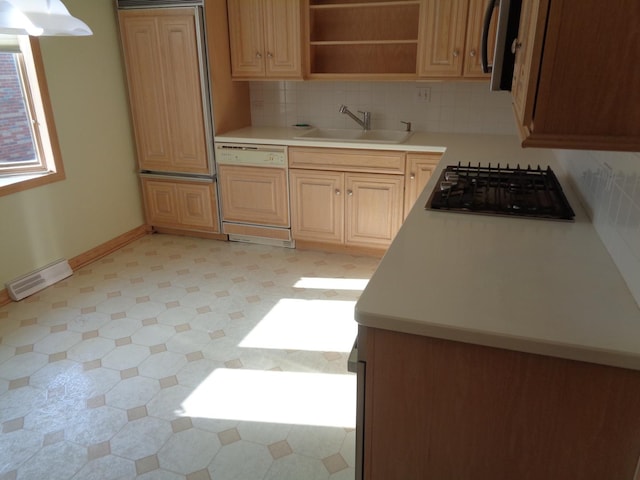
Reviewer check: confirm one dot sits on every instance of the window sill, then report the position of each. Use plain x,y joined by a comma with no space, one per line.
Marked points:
16,183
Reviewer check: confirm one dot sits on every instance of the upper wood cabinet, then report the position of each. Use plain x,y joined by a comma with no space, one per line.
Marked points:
160,48
577,73
363,39
450,38
265,38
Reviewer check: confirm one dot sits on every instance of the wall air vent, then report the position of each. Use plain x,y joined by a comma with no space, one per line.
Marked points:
37,280
123,4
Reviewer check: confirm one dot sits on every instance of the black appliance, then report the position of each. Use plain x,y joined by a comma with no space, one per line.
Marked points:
521,192
508,18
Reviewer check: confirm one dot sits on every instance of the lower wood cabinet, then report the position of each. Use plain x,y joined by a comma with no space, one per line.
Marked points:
355,209
188,205
446,410
420,167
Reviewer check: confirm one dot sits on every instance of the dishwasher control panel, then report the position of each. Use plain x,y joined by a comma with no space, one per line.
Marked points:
254,155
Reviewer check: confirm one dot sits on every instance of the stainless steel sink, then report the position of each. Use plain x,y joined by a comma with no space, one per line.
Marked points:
355,136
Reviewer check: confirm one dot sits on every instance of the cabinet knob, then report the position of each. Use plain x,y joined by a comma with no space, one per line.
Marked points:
515,45
456,53
472,53
412,176
337,192
258,55
269,55
350,192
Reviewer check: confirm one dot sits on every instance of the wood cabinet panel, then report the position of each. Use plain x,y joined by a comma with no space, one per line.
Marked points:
265,38
148,108
185,205
344,159
246,35
437,409
161,57
473,44
283,38
373,209
254,195
317,206
420,167
441,49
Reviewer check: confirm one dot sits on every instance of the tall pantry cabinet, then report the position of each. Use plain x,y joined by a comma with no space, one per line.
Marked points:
167,75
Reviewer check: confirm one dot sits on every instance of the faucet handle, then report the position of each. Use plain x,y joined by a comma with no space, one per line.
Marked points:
408,124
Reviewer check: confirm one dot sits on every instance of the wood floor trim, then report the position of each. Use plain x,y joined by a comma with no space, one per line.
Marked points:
95,253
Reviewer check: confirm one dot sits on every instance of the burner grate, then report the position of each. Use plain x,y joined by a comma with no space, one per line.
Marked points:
522,192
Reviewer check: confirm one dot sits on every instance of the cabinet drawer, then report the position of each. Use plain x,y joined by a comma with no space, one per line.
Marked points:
347,160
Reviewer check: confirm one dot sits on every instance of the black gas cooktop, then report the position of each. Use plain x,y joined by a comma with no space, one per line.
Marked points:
520,192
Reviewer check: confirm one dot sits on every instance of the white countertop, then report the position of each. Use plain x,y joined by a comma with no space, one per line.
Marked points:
536,286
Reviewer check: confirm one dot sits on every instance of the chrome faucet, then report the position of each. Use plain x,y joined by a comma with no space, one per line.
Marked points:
365,123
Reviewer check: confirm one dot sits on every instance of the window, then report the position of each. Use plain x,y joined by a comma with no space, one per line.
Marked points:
29,152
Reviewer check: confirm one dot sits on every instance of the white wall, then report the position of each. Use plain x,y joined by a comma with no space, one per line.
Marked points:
609,185
457,107
100,198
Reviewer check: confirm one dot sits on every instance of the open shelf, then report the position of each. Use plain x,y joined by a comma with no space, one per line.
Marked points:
363,37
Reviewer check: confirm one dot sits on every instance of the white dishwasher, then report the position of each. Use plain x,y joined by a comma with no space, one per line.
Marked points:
253,185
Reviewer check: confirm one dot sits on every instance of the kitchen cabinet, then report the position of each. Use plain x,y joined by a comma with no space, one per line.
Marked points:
167,105
346,197
265,39
420,167
450,39
449,410
576,77
181,204
365,39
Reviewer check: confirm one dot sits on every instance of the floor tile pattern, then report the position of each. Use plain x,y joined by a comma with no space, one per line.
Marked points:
169,359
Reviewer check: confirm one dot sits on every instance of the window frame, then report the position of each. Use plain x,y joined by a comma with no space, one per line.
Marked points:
45,135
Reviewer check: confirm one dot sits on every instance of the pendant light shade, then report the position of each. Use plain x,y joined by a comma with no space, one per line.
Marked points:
39,18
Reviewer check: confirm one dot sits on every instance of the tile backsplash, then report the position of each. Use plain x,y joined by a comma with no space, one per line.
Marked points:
452,107
609,185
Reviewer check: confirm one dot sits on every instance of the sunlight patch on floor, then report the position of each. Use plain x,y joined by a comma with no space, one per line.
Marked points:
332,283
276,397
312,325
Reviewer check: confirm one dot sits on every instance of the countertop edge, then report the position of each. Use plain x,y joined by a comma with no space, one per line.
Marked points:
628,360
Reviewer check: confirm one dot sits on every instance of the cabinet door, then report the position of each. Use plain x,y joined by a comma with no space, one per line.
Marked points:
317,205
283,39
254,195
197,206
373,209
473,44
523,75
420,167
187,205
163,70
183,92
246,36
161,203
143,63
442,34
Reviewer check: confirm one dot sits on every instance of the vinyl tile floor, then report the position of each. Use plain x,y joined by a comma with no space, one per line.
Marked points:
184,358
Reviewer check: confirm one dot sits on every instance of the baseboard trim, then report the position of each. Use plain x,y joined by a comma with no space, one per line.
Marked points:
95,253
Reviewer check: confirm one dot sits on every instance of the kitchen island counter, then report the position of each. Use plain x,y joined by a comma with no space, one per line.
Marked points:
538,286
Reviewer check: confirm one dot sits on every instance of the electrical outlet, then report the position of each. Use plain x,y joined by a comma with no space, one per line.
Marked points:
423,94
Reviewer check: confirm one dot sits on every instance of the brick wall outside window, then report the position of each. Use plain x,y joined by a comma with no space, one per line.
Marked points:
16,144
